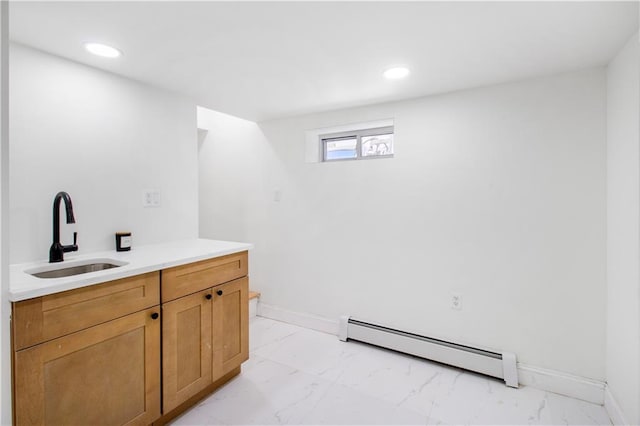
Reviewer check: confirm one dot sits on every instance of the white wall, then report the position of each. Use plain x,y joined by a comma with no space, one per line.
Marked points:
496,193
227,188
623,230
103,139
5,306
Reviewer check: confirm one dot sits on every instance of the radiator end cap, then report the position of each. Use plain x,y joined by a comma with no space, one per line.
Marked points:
510,369
344,324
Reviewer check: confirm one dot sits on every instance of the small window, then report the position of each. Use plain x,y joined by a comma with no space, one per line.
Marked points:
358,145
341,148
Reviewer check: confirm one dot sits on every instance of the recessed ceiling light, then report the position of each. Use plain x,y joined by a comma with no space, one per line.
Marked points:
102,50
396,73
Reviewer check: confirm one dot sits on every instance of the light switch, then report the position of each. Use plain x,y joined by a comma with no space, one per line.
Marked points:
151,198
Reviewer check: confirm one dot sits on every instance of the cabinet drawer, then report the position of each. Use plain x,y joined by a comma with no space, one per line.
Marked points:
44,318
193,277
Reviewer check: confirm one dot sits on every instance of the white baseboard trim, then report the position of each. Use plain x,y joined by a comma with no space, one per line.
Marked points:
613,409
562,383
313,322
541,378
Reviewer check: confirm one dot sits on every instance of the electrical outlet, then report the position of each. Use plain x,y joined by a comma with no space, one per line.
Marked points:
456,301
150,198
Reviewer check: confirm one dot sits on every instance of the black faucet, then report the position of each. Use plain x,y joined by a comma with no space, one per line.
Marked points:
57,250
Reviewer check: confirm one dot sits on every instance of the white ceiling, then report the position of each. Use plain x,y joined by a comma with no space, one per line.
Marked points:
266,60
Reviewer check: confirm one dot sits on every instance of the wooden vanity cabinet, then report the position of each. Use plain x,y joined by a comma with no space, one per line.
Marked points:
205,334
96,359
97,355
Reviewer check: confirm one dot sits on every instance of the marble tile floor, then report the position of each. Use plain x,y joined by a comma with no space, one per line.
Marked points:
300,376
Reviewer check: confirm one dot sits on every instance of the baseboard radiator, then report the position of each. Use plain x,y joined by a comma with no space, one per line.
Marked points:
500,365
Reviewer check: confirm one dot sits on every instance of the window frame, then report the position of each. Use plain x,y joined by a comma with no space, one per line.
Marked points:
358,135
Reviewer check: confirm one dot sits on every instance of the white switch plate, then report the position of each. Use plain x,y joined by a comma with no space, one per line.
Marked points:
150,198
456,301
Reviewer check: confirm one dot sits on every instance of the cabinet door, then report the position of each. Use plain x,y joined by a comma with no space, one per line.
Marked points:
108,374
186,348
230,326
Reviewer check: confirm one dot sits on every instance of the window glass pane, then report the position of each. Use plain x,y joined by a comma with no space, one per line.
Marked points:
377,145
338,149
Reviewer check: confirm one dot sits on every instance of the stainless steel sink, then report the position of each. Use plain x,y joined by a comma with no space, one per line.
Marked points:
75,268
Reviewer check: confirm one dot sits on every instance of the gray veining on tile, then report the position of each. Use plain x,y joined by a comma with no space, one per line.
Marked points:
301,376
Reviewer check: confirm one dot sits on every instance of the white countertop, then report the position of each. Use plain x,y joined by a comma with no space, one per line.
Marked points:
139,260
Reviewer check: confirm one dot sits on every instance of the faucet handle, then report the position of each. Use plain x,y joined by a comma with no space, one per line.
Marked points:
72,247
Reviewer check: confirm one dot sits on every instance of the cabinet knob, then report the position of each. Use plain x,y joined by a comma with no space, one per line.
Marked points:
208,297
219,292
155,315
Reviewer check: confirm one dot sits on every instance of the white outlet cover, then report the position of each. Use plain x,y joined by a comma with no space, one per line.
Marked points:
456,301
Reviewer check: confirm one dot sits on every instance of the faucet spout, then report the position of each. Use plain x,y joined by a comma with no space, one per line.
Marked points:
57,250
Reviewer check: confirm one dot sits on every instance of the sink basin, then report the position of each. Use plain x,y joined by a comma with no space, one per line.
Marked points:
67,269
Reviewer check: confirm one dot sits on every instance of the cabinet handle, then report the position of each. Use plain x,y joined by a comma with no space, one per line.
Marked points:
208,297
219,292
155,315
